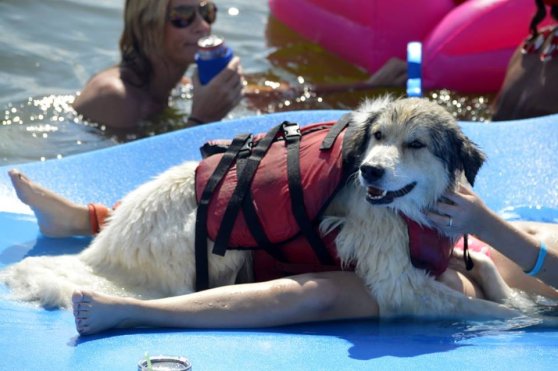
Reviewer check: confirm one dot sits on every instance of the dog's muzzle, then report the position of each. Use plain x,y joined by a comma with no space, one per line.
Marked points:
378,196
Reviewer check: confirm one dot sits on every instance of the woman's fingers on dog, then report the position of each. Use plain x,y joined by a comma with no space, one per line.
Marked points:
446,213
440,219
455,197
448,204
454,202
464,190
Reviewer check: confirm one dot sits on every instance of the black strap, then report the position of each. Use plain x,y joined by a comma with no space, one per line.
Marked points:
241,189
466,254
334,131
253,221
202,270
256,229
292,137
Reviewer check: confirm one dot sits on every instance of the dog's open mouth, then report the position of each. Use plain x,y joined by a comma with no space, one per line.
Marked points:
378,196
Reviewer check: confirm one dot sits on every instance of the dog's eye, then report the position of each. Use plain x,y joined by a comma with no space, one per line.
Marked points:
378,135
416,144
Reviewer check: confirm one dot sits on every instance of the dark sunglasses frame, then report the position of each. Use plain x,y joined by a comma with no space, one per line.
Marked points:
184,15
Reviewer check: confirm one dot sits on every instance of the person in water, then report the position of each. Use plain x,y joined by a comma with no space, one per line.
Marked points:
158,44
531,83
521,255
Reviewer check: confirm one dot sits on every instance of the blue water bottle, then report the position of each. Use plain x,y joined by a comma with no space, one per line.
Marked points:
213,55
414,62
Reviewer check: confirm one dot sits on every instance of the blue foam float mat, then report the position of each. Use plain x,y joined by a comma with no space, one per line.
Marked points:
520,180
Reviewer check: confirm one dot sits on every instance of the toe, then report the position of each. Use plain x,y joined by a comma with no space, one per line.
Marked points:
17,176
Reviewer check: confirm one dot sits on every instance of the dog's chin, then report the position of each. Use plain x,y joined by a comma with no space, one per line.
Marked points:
378,196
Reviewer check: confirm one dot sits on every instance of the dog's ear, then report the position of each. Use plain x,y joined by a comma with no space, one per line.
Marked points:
472,159
364,117
358,132
354,145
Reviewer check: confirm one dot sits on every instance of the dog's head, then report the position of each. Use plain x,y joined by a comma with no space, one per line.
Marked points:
410,152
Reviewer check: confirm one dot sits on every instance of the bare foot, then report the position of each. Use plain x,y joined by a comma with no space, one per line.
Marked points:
94,312
56,216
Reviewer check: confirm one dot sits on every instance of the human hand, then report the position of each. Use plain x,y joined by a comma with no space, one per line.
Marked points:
215,100
459,212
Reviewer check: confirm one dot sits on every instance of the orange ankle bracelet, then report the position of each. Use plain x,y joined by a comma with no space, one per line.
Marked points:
97,215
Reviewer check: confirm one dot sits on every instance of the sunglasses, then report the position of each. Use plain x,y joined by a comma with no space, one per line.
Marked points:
184,15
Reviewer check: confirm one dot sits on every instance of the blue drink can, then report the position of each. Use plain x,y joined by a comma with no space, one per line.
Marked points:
213,55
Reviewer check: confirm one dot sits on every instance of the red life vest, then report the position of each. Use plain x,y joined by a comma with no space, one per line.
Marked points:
428,248
265,219
321,174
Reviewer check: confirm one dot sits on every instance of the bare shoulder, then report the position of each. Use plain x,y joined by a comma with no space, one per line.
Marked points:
108,100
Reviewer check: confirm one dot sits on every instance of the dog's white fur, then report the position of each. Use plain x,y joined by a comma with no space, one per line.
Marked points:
147,248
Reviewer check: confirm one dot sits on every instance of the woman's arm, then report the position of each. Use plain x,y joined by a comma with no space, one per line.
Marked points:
519,242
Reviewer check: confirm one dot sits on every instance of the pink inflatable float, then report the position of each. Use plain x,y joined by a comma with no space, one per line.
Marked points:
466,44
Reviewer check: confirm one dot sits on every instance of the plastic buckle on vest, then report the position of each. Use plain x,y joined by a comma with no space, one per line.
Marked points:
291,130
246,149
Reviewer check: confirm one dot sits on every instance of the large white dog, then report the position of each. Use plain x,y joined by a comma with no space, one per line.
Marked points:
413,151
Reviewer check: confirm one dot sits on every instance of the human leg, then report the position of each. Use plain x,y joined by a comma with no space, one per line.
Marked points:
546,281
304,298
484,273
460,281
56,216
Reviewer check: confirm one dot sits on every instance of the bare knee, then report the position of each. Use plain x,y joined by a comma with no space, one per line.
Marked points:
461,283
325,296
322,294
310,293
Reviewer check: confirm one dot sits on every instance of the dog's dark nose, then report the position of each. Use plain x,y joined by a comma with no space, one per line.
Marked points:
371,173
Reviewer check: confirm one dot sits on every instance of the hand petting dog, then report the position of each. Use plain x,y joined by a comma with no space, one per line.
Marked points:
459,212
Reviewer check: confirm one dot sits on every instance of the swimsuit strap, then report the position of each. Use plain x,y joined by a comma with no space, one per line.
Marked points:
533,43
545,43
550,48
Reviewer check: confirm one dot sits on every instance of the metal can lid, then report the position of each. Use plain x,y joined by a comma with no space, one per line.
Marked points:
165,363
211,41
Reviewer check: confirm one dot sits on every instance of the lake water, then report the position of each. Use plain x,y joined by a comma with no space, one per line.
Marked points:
49,49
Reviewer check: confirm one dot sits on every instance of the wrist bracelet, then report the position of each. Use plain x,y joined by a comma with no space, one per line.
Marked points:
195,120
540,260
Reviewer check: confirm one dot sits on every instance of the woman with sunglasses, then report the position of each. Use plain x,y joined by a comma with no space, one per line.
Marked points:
158,43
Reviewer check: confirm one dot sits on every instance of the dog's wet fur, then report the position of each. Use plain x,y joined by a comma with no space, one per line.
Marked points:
408,153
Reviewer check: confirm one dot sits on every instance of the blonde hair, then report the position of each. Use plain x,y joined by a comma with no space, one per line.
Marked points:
143,35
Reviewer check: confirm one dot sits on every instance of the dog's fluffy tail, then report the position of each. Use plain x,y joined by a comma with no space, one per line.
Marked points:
50,280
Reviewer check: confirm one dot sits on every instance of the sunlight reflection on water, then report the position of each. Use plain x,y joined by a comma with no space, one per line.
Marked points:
41,71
